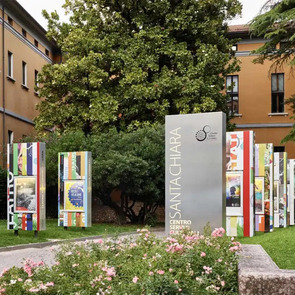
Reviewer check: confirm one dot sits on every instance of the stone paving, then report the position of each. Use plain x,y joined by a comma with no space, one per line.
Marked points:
14,256
259,275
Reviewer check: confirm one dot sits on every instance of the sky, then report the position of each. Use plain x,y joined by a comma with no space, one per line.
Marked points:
250,9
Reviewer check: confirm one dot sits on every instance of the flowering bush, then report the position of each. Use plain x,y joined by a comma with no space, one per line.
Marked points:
186,263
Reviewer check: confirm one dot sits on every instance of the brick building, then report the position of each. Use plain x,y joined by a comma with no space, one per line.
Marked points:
258,94
24,50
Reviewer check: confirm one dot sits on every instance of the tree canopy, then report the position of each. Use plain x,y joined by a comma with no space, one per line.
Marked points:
277,25
130,162
131,62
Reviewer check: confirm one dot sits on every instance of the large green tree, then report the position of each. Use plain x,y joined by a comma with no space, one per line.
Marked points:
277,25
128,62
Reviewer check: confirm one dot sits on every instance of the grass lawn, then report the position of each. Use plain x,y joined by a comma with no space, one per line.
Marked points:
54,232
279,245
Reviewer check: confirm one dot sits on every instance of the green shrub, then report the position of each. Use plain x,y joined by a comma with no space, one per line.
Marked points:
131,162
187,263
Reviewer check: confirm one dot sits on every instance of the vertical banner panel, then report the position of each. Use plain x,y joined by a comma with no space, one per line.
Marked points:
291,192
38,186
70,165
29,159
24,155
66,166
74,165
83,165
26,180
10,186
42,187
246,177
89,190
85,188
271,189
78,165
29,222
15,159
240,161
74,195
61,191
34,163
252,180
15,221
285,189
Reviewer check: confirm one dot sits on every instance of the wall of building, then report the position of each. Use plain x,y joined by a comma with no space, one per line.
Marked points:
26,40
255,98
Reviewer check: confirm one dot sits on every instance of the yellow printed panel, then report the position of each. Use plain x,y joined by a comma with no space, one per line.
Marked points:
74,195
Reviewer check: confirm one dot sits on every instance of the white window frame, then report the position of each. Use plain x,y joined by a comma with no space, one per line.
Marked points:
24,74
10,64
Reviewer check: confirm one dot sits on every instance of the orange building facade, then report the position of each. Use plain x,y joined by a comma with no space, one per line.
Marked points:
24,50
258,93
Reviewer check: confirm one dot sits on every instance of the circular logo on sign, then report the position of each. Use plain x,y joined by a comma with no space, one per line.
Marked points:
201,135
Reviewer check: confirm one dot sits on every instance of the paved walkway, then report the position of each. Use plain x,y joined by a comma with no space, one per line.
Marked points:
40,252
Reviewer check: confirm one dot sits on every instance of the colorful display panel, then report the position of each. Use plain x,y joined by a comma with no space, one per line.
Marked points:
280,178
26,186
233,189
74,189
240,183
264,187
292,191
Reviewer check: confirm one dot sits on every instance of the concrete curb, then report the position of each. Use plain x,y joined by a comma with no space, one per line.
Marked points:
82,239
259,275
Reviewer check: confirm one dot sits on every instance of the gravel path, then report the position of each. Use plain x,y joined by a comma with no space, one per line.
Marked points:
15,257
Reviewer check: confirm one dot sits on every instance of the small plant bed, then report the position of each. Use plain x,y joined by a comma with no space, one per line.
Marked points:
187,263
279,245
54,232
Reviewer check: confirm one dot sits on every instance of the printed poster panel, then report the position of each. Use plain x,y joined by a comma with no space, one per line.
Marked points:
259,195
74,195
233,189
234,151
275,196
25,194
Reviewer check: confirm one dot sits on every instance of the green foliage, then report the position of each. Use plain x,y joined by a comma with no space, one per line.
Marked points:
130,162
3,193
277,26
187,263
126,63
291,135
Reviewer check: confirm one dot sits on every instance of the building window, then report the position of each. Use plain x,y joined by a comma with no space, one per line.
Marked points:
10,64
279,149
36,78
277,93
234,47
36,43
232,89
24,71
24,32
47,52
10,20
10,136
